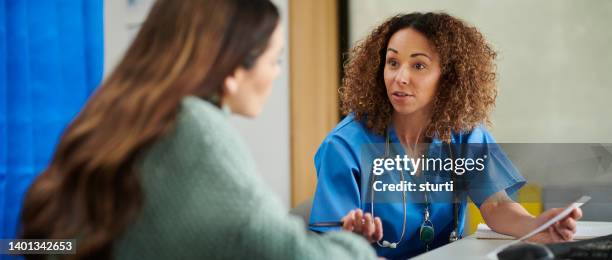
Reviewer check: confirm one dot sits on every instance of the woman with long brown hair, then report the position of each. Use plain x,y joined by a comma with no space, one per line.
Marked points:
150,168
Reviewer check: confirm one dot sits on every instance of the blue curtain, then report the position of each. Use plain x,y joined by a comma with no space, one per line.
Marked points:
51,58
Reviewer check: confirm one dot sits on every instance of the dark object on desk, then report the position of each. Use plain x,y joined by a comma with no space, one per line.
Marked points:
526,251
594,248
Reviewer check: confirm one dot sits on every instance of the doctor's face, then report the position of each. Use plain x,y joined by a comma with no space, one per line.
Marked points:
411,72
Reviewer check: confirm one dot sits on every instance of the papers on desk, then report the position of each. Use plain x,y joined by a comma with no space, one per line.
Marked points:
484,232
583,231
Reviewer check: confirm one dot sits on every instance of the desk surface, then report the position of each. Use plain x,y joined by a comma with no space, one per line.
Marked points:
473,248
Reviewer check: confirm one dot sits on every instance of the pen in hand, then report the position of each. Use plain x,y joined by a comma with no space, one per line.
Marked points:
327,224
356,221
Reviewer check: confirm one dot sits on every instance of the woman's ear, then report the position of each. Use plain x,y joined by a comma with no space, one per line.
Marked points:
230,85
233,81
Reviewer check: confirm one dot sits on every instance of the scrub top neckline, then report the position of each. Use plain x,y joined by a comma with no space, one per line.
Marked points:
395,139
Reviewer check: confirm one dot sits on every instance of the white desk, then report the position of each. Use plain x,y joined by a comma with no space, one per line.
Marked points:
473,248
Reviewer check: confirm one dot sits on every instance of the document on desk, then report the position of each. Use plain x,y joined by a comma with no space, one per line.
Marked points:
583,231
560,216
483,231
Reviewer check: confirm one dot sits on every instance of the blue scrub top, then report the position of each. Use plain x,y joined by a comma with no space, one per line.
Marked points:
341,171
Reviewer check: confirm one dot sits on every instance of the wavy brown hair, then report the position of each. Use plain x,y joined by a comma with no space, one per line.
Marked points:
466,90
91,189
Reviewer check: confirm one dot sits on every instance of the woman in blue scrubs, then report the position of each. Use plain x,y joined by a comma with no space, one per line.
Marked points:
419,79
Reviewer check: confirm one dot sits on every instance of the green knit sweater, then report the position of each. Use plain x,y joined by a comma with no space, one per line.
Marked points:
204,200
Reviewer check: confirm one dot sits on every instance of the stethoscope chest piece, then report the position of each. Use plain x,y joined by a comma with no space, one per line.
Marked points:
426,234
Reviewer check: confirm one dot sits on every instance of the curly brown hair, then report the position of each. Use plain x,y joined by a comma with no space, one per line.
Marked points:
467,86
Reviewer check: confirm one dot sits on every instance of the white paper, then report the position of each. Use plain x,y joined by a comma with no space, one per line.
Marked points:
483,231
560,216
584,230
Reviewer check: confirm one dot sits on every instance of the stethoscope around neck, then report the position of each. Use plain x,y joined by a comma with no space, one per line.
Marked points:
426,230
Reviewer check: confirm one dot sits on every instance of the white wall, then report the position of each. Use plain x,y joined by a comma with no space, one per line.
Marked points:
555,86
267,135
121,23
554,61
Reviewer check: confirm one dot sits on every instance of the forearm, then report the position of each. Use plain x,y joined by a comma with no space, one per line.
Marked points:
292,241
505,216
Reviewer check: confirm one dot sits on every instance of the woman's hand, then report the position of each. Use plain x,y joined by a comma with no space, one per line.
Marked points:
363,224
563,230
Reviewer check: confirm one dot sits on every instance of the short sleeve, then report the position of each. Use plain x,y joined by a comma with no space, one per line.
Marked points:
337,189
499,172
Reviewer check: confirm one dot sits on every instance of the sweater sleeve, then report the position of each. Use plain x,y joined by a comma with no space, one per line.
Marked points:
265,229
203,195
271,233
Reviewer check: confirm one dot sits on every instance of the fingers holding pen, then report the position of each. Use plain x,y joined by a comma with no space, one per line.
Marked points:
359,221
348,221
363,224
